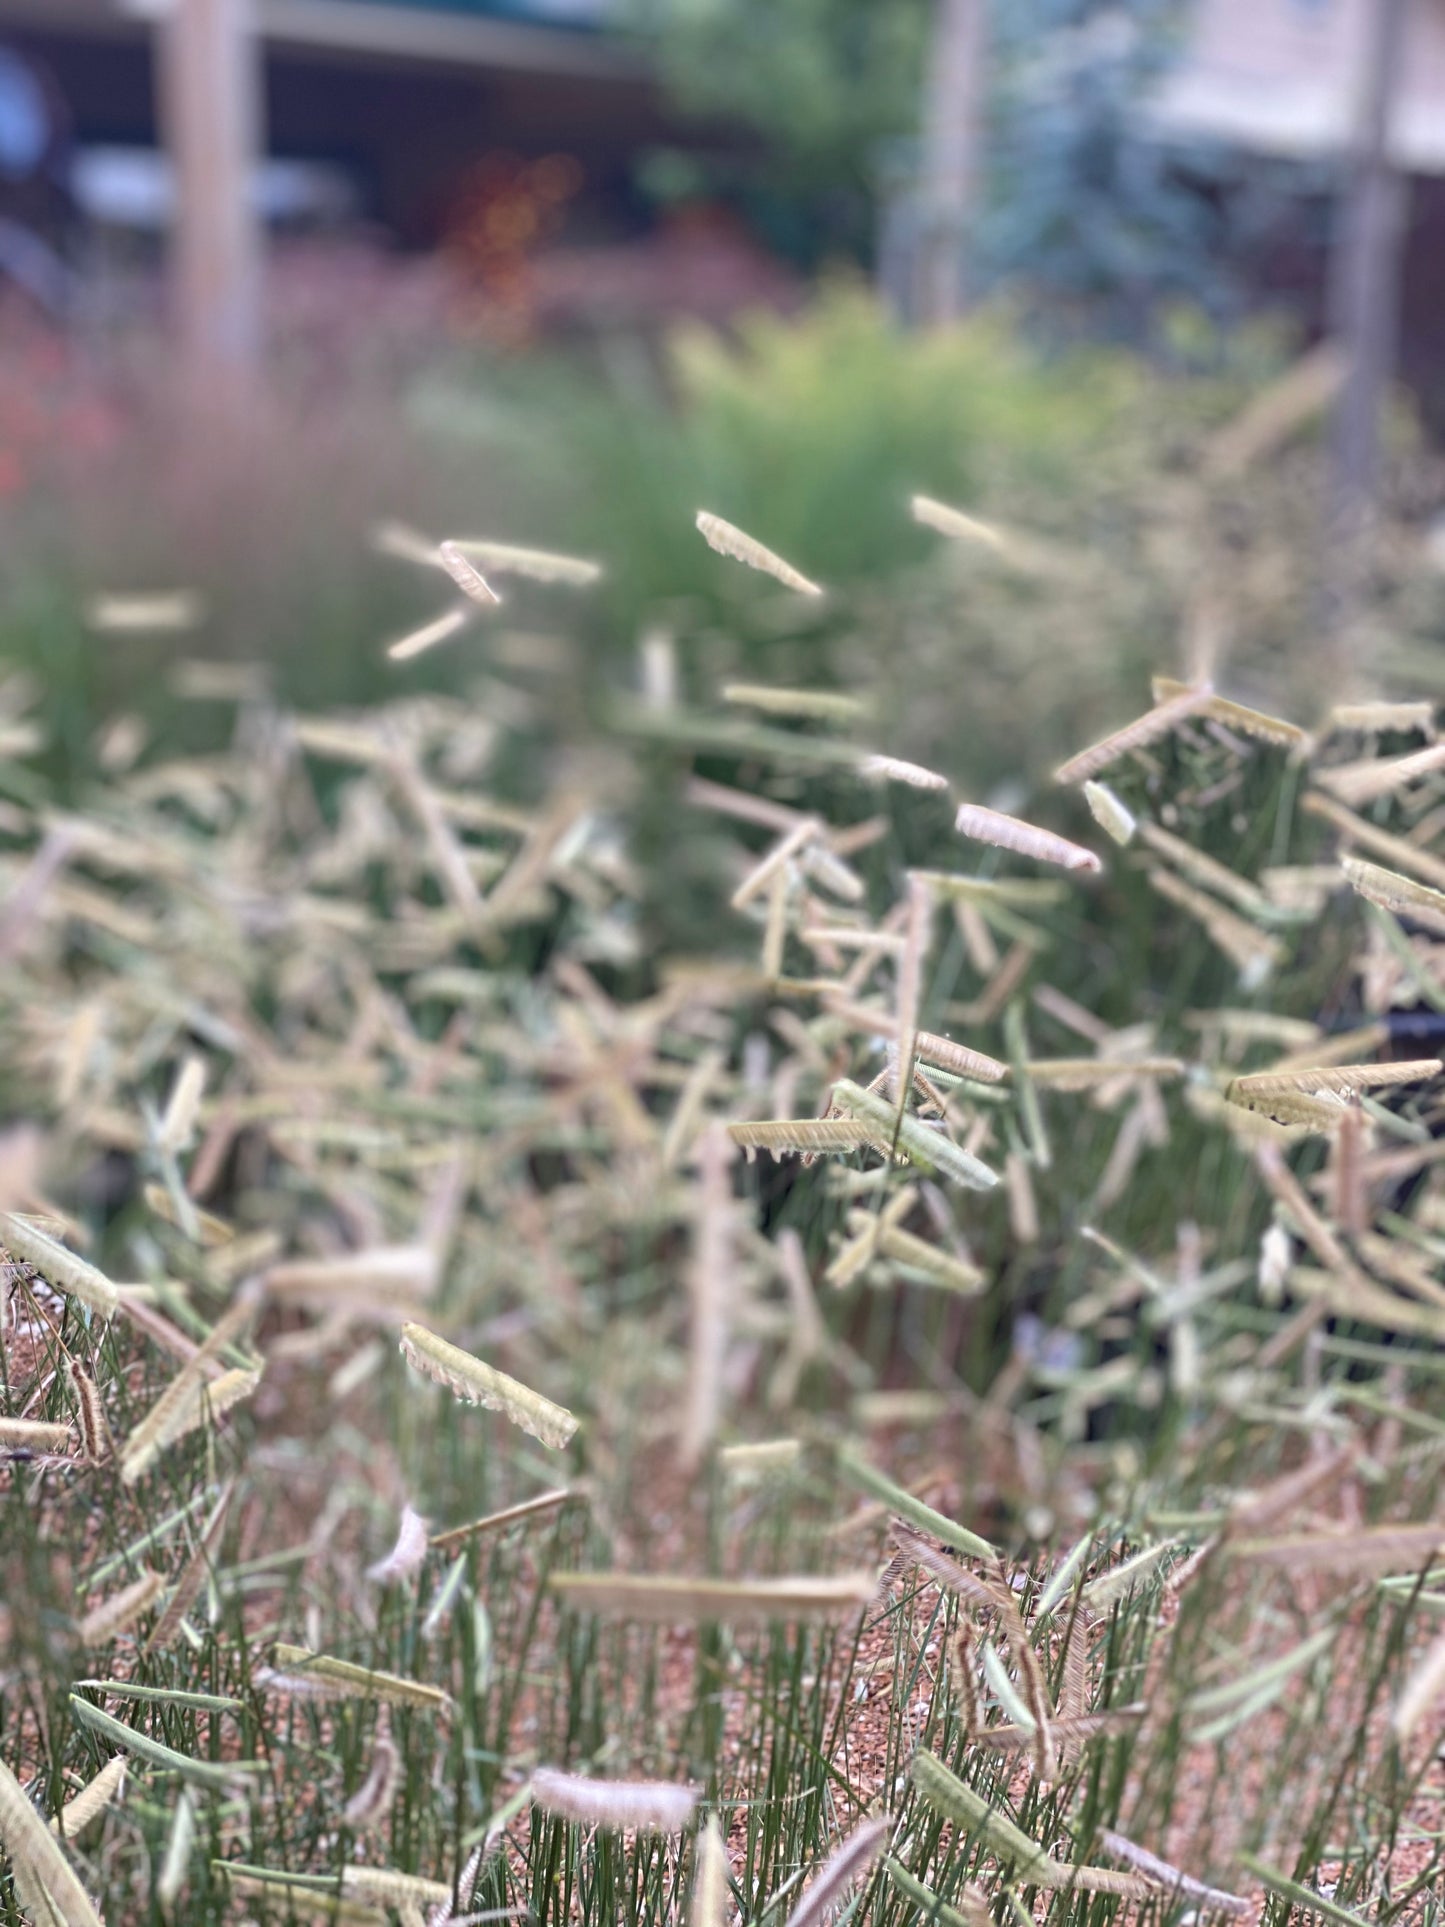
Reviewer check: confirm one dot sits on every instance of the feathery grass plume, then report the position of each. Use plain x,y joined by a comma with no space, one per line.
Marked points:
296,1669
1251,952
953,1577
1422,1691
1215,1899
666,1599
1026,839
468,1379
973,1910
1145,729
847,1863
406,1555
1400,895
101,1624
1204,869
1031,1864
45,1882
1381,718
220,1778
828,705
893,769
942,1052
930,1150
390,1887
496,1521
963,1679
468,578
1239,717
867,1479
709,1904
162,611
183,1105
193,1575
1357,1552
92,1800
644,1806
1106,1588
60,1269
25,1435
539,565
214,1398
373,1799
1366,782
730,541
172,1876
440,629
1114,817
179,1407
1398,851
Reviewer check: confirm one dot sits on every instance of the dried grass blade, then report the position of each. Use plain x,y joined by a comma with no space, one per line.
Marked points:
665,1599
219,1778
1397,850
440,629
733,542
178,1406
496,1521
475,1383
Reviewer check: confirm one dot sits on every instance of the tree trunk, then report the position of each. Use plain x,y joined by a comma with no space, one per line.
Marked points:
948,182
1365,300
209,87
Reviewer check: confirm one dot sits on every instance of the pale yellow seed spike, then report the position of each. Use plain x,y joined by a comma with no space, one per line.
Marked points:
92,1800
475,1383
1239,717
1145,729
165,611
46,1884
26,1435
296,1669
664,1598
176,1410
893,769
958,526
1367,781
541,565
642,1806
827,704
1402,896
57,1266
728,540
1112,816
1026,839
449,623
709,1904
183,1105
467,577
1422,1691
114,1615
1381,718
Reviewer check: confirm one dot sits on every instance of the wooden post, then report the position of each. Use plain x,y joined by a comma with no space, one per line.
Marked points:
1365,300
953,106
209,88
